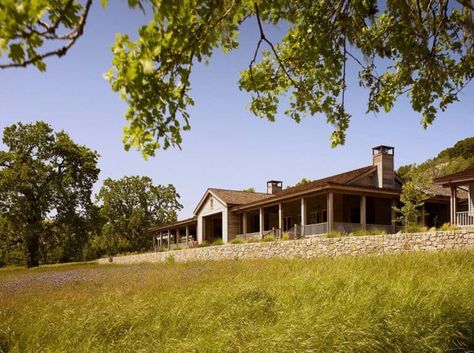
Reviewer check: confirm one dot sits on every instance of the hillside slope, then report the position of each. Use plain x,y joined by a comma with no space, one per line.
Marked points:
449,160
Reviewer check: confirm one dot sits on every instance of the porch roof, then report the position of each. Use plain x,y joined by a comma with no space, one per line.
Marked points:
460,178
177,224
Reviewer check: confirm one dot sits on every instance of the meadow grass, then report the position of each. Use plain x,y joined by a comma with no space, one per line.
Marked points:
400,303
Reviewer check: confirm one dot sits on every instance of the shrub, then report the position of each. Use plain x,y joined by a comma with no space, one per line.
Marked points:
217,242
237,241
269,238
447,226
334,234
285,236
177,248
203,244
253,240
161,249
416,228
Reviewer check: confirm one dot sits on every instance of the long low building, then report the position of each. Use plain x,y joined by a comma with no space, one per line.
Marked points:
363,198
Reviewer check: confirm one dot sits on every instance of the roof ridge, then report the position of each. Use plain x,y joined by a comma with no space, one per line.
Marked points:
249,192
334,175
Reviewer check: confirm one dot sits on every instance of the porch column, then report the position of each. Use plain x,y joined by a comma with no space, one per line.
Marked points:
261,222
244,225
177,240
363,212
280,217
453,205
303,216
423,216
161,239
154,242
330,211
393,215
470,197
187,234
169,238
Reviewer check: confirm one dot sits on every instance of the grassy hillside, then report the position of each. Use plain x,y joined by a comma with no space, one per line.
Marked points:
403,303
450,160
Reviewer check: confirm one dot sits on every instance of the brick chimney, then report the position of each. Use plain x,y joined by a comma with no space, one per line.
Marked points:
274,186
383,158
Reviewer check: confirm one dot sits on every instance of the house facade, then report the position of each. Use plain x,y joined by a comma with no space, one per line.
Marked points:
363,198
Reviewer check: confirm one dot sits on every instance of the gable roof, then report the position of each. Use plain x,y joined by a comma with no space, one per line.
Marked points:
238,197
231,197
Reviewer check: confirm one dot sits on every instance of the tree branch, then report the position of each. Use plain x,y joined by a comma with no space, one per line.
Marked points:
72,37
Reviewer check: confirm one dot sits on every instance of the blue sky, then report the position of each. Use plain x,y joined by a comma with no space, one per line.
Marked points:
227,146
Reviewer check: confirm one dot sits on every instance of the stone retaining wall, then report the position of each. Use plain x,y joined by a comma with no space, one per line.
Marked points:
314,247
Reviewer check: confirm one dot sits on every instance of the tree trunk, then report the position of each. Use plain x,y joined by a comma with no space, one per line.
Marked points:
32,249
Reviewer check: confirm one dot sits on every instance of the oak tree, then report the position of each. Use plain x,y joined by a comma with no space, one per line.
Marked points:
46,181
131,205
422,49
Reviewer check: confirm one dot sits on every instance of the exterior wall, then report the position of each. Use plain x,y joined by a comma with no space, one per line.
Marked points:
234,225
208,208
314,247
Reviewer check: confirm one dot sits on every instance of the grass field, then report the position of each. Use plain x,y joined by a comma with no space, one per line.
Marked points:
399,303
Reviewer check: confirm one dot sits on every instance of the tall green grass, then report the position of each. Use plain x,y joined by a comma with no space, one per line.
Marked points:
400,303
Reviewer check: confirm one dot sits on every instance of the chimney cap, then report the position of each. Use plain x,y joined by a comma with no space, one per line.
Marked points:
383,149
274,181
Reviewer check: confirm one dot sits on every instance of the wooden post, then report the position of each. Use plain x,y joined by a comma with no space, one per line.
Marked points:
280,216
154,242
244,225
169,237
177,240
161,239
330,203
453,205
363,212
303,216
187,234
261,222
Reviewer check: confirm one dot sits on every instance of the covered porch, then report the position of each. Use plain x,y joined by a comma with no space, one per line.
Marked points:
320,213
461,212
182,234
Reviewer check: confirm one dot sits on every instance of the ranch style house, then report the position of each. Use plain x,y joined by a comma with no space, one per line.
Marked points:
363,198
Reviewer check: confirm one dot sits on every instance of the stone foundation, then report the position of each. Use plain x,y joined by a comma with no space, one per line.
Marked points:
314,247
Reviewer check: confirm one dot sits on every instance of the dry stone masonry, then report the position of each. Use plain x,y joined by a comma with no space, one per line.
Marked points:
314,247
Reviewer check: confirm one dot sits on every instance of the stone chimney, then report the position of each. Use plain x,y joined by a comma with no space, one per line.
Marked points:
274,186
383,158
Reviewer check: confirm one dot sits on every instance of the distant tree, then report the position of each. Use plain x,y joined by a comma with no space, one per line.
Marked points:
422,49
131,205
46,181
251,189
301,182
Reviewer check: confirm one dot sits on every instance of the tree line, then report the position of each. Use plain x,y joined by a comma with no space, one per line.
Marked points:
48,212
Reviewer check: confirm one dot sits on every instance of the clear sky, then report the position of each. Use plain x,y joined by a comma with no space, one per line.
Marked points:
227,146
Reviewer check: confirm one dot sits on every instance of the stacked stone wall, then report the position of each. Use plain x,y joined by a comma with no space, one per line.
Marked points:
314,247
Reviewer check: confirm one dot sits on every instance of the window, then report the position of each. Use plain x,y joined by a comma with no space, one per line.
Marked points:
211,203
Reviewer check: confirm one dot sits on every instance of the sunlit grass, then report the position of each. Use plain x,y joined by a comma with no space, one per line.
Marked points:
402,303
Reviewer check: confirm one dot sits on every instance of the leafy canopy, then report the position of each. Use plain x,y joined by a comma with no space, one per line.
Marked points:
46,181
133,204
419,48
